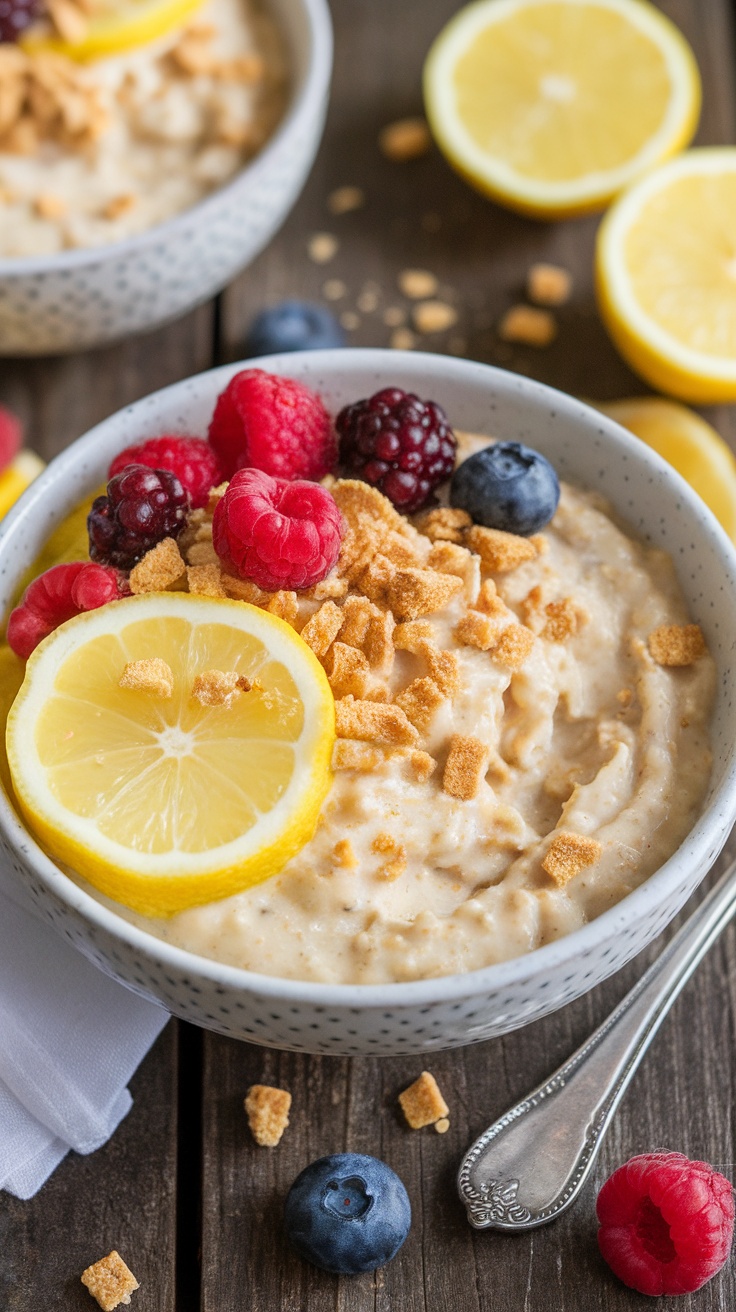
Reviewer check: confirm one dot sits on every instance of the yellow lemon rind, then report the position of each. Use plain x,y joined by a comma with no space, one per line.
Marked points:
114,36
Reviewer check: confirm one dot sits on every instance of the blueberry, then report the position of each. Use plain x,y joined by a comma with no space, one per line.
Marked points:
347,1213
294,326
507,486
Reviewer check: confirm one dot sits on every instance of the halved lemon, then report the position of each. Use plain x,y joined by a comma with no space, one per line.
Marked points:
116,27
666,276
17,476
691,445
162,803
553,106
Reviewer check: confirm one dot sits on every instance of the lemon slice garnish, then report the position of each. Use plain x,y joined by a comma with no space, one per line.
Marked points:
666,274
17,476
113,30
164,804
553,106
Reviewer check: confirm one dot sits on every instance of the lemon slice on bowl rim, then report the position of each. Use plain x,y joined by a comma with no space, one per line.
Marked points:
117,28
163,803
553,106
666,276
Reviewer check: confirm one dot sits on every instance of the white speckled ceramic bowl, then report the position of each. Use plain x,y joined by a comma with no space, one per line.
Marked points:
83,298
438,1013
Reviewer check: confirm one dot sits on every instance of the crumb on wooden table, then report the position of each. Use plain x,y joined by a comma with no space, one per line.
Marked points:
434,317
405,139
322,247
267,1109
548,284
528,326
422,1103
110,1281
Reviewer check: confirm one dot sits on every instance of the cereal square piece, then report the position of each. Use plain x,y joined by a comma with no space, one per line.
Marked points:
499,551
444,524
420,766
443,667
242,589
568,854
350,755
374,722
384,843
219,687
465,766
268,1113
394,868
477,630
488,600
405,139
522,323
449,558
159,569
420,700
398,549
202,553
375,581
322,628
283,604
548,284
110,1282
677,644
347,670
357,614
411,634
333,588
422,1103
343,854
514,647
563,619
416,592
153,676
215,497
204,581
379,642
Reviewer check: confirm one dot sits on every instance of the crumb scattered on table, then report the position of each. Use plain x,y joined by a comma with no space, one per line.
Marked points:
405,139
417,283
548,284
322,247
434,316
110,1282
344,199
422,1103
350,320
267,1109
334,289
402,339
531,327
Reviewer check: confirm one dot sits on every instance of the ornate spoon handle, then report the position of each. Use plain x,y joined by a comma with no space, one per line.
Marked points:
531,1165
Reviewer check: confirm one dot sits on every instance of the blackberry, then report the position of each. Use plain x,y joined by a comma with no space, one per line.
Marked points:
142,507
16,16
403,446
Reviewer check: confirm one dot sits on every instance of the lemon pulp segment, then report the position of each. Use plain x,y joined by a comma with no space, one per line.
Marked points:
166,803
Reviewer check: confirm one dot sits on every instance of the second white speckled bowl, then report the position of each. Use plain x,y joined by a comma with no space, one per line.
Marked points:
439,1013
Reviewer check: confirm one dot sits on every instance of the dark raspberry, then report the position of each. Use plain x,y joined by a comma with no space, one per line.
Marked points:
666,1223
142,507
401,445
192,459
16,16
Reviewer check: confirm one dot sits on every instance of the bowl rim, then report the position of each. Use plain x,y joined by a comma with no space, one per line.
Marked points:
695,852
307,101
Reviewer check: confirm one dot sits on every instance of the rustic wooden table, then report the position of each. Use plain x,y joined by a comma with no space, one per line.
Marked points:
181,1189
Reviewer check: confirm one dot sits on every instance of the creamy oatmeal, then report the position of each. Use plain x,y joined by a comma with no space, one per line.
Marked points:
93,153
522,740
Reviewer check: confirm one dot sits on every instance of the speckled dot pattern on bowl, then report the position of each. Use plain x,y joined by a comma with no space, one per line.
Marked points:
439,1013
84,298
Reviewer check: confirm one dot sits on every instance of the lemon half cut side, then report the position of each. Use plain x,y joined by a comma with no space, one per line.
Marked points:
165,803
552,107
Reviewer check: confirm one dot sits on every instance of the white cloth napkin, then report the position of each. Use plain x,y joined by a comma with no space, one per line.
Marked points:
70,1039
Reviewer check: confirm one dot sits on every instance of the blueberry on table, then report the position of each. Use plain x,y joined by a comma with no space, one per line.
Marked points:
294,326
507,486
347,1213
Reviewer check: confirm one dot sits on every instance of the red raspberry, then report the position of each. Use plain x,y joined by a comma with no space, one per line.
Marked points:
142,507
401,445
11,434
191,458
278,534
275,424
666,1223
58,595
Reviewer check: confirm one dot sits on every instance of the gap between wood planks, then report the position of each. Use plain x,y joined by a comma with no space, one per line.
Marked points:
188,1282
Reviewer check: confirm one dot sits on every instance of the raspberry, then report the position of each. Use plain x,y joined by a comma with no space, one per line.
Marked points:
11,433
58,595
399,444
191,458
275,424
142,507
666,1223
16,16
278,534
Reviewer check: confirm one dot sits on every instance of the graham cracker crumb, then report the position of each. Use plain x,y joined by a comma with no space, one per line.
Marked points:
443,667
564,619
394,868
420,701
349,755
117,206
369,516
677,644
398,549
242,590
152,676
110,1281
532,609
379,642
383,843
568,854
488,599
444,524
415,592
159,569
219,687
477,630
345,199
333,289
320,631
442,1126
530,327
284,605
376,579
374,722
411,634
405,139
350,320
322,247
402,339
417,283
465,766
434,317
420,765
514,647
333,588
548,284
344,854
422,1103
541,543
205,581
215,497
449,558
499,551
49,206
268,1113
625,697
357,614
347,670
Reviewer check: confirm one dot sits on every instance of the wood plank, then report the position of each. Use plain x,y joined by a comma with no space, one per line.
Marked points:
422,215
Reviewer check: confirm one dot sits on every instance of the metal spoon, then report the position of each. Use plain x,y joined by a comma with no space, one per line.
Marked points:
530,1166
